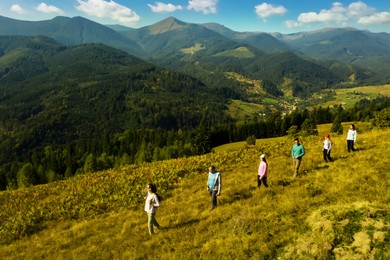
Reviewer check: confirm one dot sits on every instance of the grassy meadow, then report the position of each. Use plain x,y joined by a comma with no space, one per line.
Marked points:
349,96
337,210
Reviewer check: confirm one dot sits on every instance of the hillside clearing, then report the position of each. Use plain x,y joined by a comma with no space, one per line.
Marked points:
332,211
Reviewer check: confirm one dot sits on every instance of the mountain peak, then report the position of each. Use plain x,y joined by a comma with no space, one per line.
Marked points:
166,25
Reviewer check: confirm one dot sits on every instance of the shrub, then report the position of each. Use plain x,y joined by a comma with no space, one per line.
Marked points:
251,140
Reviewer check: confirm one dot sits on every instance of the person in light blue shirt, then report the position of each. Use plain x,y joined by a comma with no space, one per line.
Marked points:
214,185
297,152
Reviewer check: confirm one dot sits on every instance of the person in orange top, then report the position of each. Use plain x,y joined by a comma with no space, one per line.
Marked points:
326,148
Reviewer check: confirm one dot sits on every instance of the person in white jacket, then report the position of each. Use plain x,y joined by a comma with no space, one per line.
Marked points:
351,138
151,203
326,148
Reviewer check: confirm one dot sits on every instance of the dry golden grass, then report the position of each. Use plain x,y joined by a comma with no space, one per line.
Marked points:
337,210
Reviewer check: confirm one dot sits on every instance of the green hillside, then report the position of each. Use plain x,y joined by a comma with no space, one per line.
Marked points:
338,210
75,102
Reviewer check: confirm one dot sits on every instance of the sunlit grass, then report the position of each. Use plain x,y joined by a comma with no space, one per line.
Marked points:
337,210
239,109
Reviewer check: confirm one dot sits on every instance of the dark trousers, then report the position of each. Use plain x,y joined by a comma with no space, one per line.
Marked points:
213,195
327,155
262,180
350,144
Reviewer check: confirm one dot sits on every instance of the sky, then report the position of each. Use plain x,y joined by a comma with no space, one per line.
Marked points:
283,16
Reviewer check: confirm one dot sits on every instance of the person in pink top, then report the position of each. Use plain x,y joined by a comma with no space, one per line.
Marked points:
262,172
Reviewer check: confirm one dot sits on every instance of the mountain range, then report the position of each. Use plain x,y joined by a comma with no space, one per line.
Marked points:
180,45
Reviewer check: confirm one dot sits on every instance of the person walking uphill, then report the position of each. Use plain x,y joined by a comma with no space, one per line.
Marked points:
262,172
297,152
351,138
214,185
151,203
326,148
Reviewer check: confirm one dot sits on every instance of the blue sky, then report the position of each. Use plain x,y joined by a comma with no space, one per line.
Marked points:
284,16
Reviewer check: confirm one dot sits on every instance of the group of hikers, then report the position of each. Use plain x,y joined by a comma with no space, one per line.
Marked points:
214,180
298,150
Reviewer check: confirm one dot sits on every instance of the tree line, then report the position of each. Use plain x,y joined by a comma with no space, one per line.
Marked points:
54,162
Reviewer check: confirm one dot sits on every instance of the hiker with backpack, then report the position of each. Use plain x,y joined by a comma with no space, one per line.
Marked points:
151,203
214,185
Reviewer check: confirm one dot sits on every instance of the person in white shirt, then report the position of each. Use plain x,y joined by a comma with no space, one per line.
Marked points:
151,203
326,148
351,138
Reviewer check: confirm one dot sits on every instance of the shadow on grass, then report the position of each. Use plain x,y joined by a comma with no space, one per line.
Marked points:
239,195
283,182
188,222
323,166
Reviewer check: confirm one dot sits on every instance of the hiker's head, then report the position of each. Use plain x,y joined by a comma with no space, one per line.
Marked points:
151,187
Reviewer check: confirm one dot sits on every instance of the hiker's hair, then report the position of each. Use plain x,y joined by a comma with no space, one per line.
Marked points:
153,187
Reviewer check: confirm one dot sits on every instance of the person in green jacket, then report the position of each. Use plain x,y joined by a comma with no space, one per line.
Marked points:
297,152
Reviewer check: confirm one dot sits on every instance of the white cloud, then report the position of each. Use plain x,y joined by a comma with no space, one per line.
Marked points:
359,9
377,18
265,10
108,9
164,8
50,9
356,12
292,24
336,14
204,6
18,9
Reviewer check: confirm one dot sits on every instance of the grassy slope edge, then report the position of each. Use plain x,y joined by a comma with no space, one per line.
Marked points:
338,210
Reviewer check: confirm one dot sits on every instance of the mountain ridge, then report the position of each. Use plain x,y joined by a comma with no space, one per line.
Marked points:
346,46
69,31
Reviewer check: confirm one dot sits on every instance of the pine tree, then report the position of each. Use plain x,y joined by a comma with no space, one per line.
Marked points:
336,126
26,176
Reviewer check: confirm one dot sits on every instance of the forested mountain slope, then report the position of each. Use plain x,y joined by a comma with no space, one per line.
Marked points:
78,98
